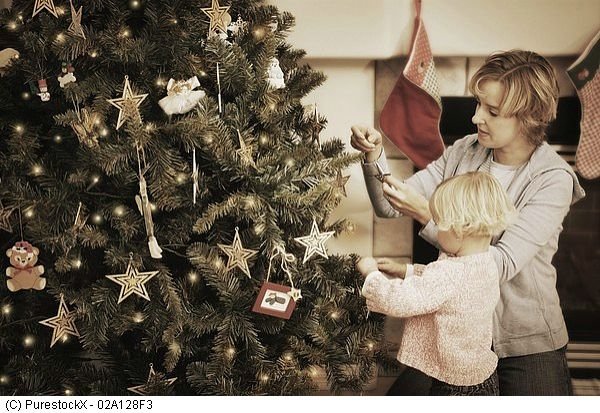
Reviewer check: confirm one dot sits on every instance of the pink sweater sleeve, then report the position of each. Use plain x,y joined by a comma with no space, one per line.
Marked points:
414,295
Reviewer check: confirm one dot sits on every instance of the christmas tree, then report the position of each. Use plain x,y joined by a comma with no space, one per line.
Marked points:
164,206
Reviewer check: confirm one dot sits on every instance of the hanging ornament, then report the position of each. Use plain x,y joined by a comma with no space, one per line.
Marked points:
181,96
86,126
132,282
219,17
67,75
219,89
5,214
128,105
75,28
6,57
23,274
145,209
195,173
340,182
275,74
238,27
43,93
316,126
245,151
44,4
237,255
155,382
62,324
275,299
315,242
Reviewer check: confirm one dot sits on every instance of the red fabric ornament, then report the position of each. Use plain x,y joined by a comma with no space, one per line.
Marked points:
584,75
411,116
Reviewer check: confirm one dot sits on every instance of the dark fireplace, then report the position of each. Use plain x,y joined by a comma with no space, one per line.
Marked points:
578,257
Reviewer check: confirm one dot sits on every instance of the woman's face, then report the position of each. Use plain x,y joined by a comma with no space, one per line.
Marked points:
493,130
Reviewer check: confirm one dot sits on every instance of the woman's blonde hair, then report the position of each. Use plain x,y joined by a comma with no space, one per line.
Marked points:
472,204
530,89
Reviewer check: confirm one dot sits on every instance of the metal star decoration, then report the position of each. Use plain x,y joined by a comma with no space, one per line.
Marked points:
216,13
237,255
44,4
340,182
314,242
245,151
75,28
132,282
62,324
5,214
128,104
155,382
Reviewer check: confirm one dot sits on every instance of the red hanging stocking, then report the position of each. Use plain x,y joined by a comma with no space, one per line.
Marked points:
411,115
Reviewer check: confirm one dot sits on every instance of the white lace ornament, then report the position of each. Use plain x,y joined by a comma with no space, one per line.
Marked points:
181,98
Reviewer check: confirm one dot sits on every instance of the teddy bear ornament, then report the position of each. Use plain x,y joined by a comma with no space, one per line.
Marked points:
23,274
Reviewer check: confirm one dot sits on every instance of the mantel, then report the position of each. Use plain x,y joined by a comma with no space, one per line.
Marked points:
380,29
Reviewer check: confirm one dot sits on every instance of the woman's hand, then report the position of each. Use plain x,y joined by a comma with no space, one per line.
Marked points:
367,140
404,199
391,268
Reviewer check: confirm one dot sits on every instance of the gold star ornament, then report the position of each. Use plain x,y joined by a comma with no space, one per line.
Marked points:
128,105
155,384
132,282
5,214
44,4
237,255
315,242
62,324
245,151
219,17
75,28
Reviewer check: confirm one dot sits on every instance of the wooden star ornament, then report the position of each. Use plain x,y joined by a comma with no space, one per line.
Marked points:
132,282
219,17
237,255
154,382
75,28
62,324
128,105
245,151
44,4
5,214
314,242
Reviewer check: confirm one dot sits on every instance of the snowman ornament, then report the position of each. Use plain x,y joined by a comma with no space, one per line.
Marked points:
275,75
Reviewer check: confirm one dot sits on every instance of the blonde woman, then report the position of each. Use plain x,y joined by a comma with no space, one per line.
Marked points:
517,96
450,305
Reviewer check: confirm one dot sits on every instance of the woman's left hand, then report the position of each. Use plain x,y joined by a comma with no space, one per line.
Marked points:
406,200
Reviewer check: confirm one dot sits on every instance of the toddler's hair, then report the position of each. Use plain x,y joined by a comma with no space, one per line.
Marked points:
530,89
472,204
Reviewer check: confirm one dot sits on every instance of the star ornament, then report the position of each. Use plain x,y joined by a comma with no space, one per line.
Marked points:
315,242
132,282
153,383
128,105
237,255
340,182
75,28
245,151
62,324
44,4
218,17
5,214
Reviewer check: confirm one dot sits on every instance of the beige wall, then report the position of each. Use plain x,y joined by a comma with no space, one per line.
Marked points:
348,97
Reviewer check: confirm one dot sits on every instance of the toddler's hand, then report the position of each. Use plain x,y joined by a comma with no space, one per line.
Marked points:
391,268
366,265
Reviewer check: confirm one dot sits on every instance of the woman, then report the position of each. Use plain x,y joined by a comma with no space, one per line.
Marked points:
517,95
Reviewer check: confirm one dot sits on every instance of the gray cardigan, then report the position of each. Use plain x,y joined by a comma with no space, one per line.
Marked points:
528,318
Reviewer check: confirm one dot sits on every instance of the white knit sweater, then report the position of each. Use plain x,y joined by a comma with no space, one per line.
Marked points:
449,309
